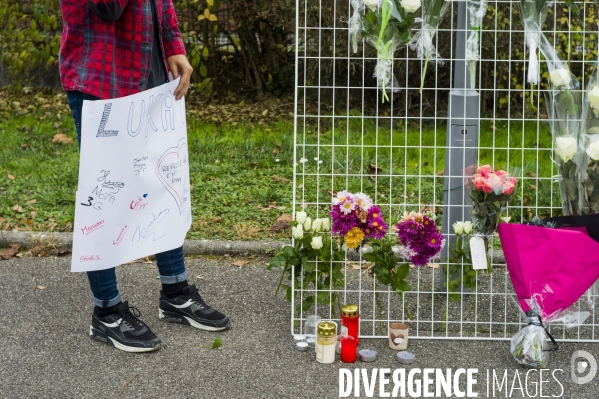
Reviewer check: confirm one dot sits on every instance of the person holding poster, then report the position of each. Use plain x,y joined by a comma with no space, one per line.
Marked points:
111,49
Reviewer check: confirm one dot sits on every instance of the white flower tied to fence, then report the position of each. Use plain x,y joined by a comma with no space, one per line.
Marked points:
534,14
477,9
394,151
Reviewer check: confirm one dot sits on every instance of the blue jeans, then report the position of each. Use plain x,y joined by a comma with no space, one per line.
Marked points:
171,265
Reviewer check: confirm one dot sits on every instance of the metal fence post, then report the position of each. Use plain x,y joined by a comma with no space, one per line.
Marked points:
463,124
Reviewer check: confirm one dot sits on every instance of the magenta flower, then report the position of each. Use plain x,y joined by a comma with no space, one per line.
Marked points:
421,238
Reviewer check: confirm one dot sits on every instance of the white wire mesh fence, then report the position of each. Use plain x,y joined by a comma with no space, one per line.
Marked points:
347,139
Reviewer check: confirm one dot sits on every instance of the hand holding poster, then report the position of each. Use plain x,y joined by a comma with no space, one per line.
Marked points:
133,197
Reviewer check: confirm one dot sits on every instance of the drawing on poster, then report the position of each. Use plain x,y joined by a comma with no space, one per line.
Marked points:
123,212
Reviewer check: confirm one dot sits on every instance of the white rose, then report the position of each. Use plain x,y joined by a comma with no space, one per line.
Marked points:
308,224
411,5
316,242
300,217
297,232
565,148
593,98
317,225
372,4
468,226
560,77
326,224
458,228
593,150
366,249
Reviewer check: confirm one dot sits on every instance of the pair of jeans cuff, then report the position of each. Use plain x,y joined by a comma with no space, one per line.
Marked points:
114,301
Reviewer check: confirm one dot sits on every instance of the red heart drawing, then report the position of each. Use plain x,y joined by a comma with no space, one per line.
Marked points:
172,170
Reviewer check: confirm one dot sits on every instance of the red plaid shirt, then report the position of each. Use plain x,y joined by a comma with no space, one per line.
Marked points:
106,45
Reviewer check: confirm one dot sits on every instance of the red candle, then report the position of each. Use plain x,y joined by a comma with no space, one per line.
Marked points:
350,318
348,349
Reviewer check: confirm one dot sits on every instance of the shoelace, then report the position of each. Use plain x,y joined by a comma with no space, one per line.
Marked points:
130,316
195,296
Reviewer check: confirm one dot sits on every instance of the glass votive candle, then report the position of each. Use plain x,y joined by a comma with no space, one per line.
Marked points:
311,329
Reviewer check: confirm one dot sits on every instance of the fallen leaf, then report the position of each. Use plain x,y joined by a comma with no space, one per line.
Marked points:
494,128
532,174
240,263
2,220
279,179
24,146
10,252
440,173
373,170
433,265
533,187
30,202
218,220
281,226
19,255
41,287
333,193
285,218
275,151
18,208
216,161
67,227
217,343
62,138
211,178
11,177
33,214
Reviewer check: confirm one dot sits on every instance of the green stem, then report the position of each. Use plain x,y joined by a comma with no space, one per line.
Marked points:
403,301
424,70
281,280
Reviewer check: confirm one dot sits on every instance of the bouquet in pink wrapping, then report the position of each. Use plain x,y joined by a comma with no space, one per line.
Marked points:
550,269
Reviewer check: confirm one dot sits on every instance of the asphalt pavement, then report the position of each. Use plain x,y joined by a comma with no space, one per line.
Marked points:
45,350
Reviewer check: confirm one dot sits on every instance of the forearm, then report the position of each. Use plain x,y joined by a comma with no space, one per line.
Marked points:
172,41
107,10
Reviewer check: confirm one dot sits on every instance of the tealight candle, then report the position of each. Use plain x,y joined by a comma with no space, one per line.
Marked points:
301,346
299,338
405,357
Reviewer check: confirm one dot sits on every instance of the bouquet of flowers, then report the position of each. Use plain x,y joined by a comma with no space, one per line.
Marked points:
316,258
356,219
422,42
476,12
460,272
489,193
534,13
563,107
386,26
355,23
589,143
420,237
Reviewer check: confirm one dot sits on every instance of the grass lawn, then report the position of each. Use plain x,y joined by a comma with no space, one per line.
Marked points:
241,169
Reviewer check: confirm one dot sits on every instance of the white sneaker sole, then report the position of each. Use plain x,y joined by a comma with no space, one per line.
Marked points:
118,345
192,322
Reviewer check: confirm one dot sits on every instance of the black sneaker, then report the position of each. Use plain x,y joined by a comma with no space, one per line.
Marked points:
191,309
123,330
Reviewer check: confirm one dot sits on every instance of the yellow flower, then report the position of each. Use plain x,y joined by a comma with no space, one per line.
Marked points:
353,238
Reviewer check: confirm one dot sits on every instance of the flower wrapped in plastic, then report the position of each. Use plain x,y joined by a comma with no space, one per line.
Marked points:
563,105
476,12
386,26
534,13
422,42
589,143
550,269
489,191
355,23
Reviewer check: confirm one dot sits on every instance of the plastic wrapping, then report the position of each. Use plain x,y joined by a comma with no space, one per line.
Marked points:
489,191
563,106
386,26
476,12
533,15
355,23
532,345
589,147
422,42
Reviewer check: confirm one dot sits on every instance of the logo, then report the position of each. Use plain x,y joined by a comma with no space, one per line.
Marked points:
583,371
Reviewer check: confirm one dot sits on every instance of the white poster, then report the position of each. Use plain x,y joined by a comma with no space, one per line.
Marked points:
133,195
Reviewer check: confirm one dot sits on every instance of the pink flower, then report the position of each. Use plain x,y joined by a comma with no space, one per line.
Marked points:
484,170
479,183
495,183
508,188
502,174
513,180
